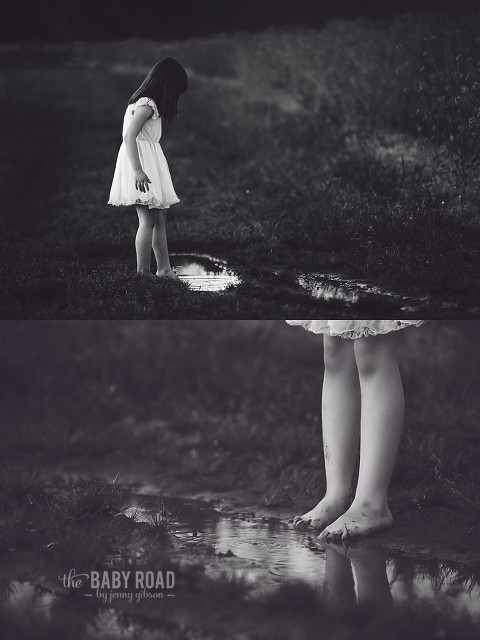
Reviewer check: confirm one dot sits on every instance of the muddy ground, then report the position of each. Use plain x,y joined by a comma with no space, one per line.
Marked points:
221,592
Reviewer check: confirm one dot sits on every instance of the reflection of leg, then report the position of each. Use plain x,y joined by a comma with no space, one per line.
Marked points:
338,587
340,427
160,246
381,425
143,239
370,569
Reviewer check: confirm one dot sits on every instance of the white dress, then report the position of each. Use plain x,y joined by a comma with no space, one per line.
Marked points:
355,328
161,194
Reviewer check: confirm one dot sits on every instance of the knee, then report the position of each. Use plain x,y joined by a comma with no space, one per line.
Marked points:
337,353
372,357
147,222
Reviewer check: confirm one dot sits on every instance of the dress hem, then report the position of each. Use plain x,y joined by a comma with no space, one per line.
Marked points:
358,332
150,205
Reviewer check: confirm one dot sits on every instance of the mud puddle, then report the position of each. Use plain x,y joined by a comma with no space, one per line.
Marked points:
332,287
269,552
264,553
203,272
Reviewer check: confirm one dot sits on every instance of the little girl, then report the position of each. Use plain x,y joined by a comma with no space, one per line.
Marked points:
362,402
141,174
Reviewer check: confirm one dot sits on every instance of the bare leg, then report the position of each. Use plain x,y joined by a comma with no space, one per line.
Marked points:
370,569
160,246
340,428
381,427
338,585
143,239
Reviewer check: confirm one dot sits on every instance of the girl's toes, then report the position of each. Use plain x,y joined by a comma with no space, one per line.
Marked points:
301,524
324,534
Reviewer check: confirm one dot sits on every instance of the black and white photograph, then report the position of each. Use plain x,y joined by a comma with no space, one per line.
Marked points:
251,160
188,451
240,479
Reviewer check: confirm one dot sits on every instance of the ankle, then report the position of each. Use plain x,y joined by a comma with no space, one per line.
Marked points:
338,496
371,504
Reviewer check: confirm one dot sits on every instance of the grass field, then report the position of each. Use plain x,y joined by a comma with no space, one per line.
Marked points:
231,408
352,150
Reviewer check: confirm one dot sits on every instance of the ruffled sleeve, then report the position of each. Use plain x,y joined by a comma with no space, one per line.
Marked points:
150,103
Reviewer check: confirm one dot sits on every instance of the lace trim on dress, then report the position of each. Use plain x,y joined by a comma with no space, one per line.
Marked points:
144,101
360,331
152,203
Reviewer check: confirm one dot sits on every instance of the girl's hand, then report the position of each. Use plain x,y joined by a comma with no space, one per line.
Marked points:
141,180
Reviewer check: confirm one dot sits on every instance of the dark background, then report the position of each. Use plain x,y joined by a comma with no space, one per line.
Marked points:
53,20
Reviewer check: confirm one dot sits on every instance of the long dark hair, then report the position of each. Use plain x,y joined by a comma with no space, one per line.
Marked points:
164,84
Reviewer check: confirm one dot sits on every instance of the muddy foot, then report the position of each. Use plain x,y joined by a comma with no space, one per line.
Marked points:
322,515
357,522
167,273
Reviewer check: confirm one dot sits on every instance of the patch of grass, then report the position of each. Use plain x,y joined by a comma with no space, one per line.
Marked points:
24,512
21,489
90,498
161,521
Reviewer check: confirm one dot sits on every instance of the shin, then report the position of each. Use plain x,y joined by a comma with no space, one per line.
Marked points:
143,239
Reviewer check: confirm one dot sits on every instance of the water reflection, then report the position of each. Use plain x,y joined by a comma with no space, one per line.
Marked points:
327,288
35,607
26,597
356,574
330,287
271,553
202,272
268,553
42,613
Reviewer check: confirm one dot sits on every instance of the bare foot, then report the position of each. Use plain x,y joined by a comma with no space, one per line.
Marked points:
356,522
167,273
326,511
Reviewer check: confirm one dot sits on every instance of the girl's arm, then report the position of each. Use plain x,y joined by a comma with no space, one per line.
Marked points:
141,115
